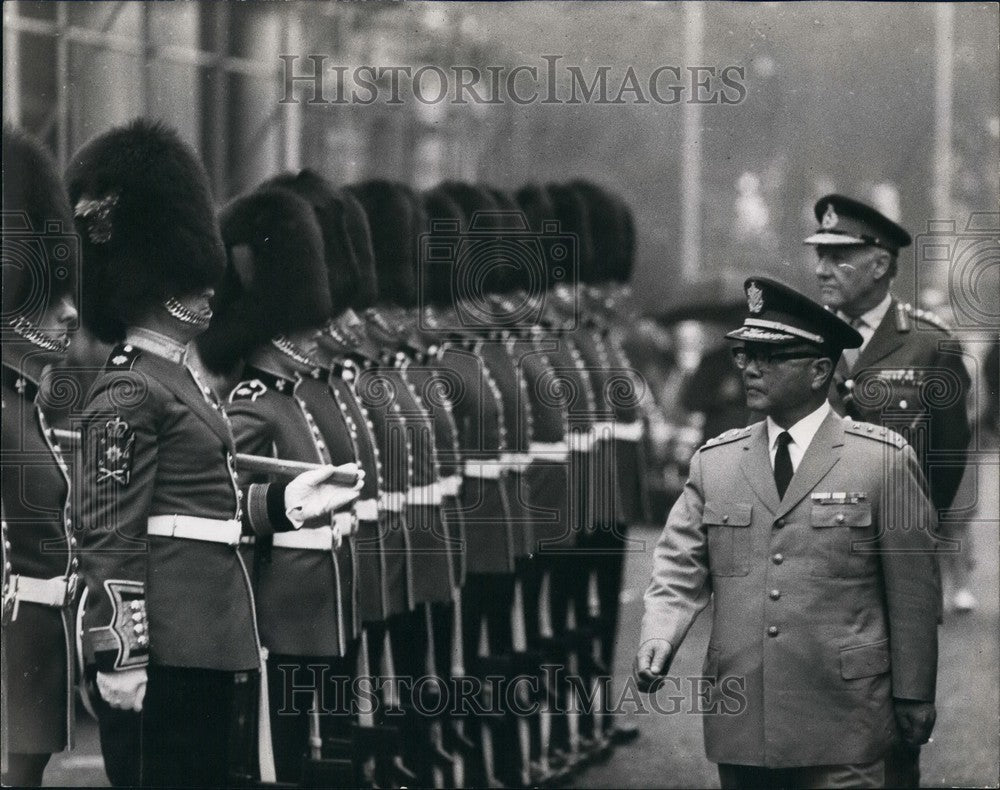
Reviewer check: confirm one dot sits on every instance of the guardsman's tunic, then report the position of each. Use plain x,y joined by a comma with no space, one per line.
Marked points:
41,588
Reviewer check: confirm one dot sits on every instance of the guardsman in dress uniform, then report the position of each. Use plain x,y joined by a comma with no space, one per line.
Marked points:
268,312
908,374
40,568
607,295
171,622
814,536
395,215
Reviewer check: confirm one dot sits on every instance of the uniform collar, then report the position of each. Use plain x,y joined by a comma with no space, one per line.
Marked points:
156,343
803,431
284,382
20,383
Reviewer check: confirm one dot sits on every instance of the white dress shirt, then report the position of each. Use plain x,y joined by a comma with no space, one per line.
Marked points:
868,322
802,434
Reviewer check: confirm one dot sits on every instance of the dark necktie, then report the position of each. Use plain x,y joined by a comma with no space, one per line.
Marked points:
783,464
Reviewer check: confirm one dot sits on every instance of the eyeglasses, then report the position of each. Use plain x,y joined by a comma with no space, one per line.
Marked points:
742,356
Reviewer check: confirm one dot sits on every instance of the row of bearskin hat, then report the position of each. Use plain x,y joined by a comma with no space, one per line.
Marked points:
460,344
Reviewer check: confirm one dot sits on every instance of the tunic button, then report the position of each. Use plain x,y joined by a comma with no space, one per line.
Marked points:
778,559
725,519
779,523
840,518
903,404
774,595
772,630
74,564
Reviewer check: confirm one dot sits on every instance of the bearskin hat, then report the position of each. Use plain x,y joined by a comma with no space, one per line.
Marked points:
603,223
40,250
344,227
393,217
146,220
276,279
571,211
445,218
537,206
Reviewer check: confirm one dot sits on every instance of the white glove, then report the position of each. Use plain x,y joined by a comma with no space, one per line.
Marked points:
125,690
309,498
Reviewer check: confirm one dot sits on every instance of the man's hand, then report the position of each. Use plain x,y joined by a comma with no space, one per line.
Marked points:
308,498
915,720
651,664
124,690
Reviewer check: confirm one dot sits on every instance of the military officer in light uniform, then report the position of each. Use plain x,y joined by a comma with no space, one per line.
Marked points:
814,537
40,564
908,375
269,312
171,622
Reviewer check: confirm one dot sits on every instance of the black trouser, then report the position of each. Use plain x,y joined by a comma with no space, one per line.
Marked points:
120,733
902,765
198,727
293,684
25,770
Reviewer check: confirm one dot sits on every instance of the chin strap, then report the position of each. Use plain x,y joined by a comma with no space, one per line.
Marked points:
292,351
23,327
186,315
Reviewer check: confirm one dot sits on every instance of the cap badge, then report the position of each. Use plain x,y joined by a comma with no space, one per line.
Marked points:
96,215
830,218
755,298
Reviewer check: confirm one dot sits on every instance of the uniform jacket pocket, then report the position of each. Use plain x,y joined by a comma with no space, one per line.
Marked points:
864,661
841,530
728,525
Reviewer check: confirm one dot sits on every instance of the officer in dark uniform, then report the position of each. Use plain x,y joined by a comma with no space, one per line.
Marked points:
908,374
171,623
269,312
40,568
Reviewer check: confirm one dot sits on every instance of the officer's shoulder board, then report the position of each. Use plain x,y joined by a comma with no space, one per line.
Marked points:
123,357
247,390
875,432
906,314
725,438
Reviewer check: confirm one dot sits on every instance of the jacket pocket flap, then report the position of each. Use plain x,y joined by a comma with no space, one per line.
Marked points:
864,661
843,514
727,514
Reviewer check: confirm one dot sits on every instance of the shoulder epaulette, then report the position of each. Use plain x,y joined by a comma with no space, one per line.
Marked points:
875,432
727,437
123,357
247,390
905,312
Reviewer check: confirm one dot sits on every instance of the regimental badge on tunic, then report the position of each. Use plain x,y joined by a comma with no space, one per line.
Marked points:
830,218
755,298
114,449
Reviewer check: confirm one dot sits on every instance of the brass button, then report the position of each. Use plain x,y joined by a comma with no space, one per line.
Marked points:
772,630
840,518
779,523
778,559
725,519
774,595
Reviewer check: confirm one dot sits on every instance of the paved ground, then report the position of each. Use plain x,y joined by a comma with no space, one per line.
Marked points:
669,752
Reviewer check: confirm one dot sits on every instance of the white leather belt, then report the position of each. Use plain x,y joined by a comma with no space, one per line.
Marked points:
451,485
56,592
550,451
516,461
580,441
602,430
319,539
366,509
211,530
484,470
393,501
428,495
630,431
